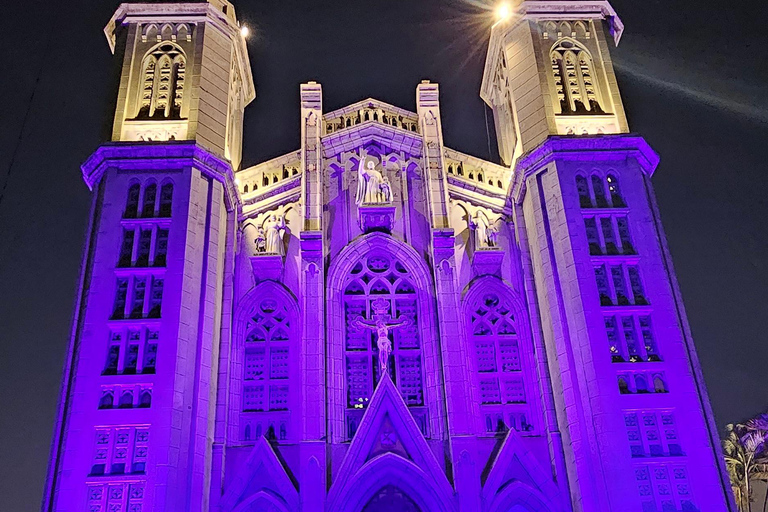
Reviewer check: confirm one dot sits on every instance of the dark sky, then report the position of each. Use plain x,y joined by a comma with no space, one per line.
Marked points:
693,76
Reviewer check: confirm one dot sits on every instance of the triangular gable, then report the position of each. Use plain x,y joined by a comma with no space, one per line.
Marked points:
262,473
368,102
388,429
515,463
390,137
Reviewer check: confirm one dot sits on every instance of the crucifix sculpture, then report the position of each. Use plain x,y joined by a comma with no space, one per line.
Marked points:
382,322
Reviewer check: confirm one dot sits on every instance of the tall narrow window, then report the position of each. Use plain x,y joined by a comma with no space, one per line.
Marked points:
574,79
126,249
162,88
603,287
145,242
613,189
599,189
614,342
606,226
637,286
155,298
582,187
121,293
630,338
131,358
492,329
132,203
267,386
626,241
593,237
148,204
617,276
150,353
137,302
649,341
166,200
161,248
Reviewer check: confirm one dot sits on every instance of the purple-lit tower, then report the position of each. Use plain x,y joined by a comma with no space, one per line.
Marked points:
376,322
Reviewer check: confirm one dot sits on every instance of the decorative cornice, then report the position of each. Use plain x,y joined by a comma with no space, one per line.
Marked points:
155,156
598,148
353,137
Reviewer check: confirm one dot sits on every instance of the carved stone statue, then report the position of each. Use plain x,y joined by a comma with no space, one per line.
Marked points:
260,241
369,182
382,323
274,229
486,235
386,190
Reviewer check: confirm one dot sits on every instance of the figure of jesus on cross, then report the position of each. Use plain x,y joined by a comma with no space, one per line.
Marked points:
382,322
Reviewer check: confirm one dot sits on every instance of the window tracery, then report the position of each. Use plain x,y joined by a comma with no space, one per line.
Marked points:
162,89
381,277
573,73
267,368
493,331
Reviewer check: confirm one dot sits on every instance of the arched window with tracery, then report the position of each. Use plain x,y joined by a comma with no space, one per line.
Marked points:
499,362
162,88
270,343
380,282
574,77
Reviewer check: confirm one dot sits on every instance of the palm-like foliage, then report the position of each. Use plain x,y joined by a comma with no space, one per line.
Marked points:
746,458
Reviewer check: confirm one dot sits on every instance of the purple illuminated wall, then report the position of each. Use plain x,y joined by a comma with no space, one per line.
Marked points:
225,353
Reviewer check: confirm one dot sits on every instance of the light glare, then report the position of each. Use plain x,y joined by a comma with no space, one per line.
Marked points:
502,11
244,31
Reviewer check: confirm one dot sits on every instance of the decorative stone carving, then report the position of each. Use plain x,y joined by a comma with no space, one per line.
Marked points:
274,229
486,234
376,218
382,323
372,186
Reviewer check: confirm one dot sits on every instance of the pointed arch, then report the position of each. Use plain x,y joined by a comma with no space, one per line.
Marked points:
517,479
391,469
503,379
574,75
369,466
163,76
418,276
265,372
265,477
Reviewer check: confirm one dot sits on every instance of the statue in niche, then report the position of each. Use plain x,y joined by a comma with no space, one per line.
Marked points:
372,187
274,229
260,241
486,234
382,323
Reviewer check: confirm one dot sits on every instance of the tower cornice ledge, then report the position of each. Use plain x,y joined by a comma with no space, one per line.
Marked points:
137,156
598,148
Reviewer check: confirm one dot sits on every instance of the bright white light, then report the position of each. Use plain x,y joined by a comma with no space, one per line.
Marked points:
244,31
502,11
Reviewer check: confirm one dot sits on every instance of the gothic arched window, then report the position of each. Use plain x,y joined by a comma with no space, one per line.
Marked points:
162,89
270,340
582,187
132,202
381,284
613,189
499,363
166,200
148,203
574,77
599,189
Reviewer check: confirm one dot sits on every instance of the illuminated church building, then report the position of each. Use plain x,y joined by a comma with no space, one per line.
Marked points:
374,321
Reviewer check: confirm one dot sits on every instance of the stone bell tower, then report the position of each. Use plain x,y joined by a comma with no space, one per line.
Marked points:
136,429
630,399
549,72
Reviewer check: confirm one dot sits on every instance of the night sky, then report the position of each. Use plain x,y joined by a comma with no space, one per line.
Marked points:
693,75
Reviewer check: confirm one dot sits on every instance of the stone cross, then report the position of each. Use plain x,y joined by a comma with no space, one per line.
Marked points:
382,322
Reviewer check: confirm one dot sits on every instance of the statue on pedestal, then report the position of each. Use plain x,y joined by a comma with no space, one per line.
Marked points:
372,187
274,229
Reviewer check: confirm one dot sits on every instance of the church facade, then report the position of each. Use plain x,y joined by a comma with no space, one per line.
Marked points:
375,321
